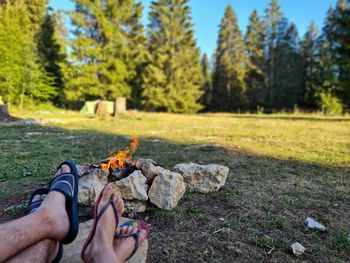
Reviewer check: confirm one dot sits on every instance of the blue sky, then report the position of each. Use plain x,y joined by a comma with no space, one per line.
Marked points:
208,13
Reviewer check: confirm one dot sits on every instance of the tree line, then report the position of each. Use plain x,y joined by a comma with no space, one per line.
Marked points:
109,53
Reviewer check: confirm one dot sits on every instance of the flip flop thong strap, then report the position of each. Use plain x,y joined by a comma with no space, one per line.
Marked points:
104,209
98,217
64,183
136,236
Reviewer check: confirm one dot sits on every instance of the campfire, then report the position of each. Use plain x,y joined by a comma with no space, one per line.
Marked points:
120,164
143,182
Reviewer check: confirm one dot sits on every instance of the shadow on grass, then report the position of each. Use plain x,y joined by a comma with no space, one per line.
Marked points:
292,118
262,205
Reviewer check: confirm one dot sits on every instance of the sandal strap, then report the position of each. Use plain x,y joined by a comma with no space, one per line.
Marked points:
33,206
136,236
98,217
104,209
64,183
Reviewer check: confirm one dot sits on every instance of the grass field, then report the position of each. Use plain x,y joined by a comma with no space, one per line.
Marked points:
283,168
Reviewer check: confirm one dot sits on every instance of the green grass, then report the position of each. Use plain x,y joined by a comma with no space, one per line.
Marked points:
283,168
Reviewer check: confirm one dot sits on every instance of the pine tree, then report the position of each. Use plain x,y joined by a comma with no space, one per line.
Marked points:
172,79
273,20
20,73
138,47
309,97
102,49
342,38
288,67
207,88
230,66
255,78
51,48
327,44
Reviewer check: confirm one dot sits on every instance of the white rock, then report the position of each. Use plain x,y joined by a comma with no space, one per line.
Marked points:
30,122
134,206
167,189
150,170
313,224
91,182
203,178
298,249
133,187
140,162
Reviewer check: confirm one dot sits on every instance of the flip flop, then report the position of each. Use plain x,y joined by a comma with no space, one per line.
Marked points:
141,225
97,217
33,206
67,184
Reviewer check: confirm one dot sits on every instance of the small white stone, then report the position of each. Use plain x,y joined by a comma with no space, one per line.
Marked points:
298,249
222,219
313,224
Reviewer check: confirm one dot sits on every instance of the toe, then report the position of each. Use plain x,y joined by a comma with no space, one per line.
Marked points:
143,235
59,171
65,169
36,198
107,193
120,204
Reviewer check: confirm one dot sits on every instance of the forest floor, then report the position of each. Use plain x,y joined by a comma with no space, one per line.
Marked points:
283,168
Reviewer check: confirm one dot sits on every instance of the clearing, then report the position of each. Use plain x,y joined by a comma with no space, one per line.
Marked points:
283,168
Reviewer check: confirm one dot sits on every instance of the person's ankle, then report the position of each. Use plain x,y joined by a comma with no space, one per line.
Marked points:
99,250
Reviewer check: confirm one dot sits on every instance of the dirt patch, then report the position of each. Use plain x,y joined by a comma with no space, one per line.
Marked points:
7,117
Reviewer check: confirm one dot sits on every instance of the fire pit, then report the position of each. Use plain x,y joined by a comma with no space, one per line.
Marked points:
143,182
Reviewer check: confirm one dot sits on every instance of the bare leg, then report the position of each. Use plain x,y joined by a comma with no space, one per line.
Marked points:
101,247
50,221
43,252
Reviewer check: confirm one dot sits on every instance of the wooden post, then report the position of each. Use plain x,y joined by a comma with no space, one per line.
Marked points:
119,105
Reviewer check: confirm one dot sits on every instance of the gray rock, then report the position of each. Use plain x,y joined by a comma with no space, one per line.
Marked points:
133,187
167,189
203,178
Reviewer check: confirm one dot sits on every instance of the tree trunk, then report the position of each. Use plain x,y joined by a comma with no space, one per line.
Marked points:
119,105
4,109
102,110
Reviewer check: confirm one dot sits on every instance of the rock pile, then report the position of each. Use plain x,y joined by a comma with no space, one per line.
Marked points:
150,183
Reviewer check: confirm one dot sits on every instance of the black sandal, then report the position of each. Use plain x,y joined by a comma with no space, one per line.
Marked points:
67,184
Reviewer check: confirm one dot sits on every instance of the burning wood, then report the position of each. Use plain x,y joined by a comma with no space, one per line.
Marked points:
119,165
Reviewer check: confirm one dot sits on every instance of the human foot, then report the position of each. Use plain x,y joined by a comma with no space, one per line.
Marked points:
53,209
124,246
100,241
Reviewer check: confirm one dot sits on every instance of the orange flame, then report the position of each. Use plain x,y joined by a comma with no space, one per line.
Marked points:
117,160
